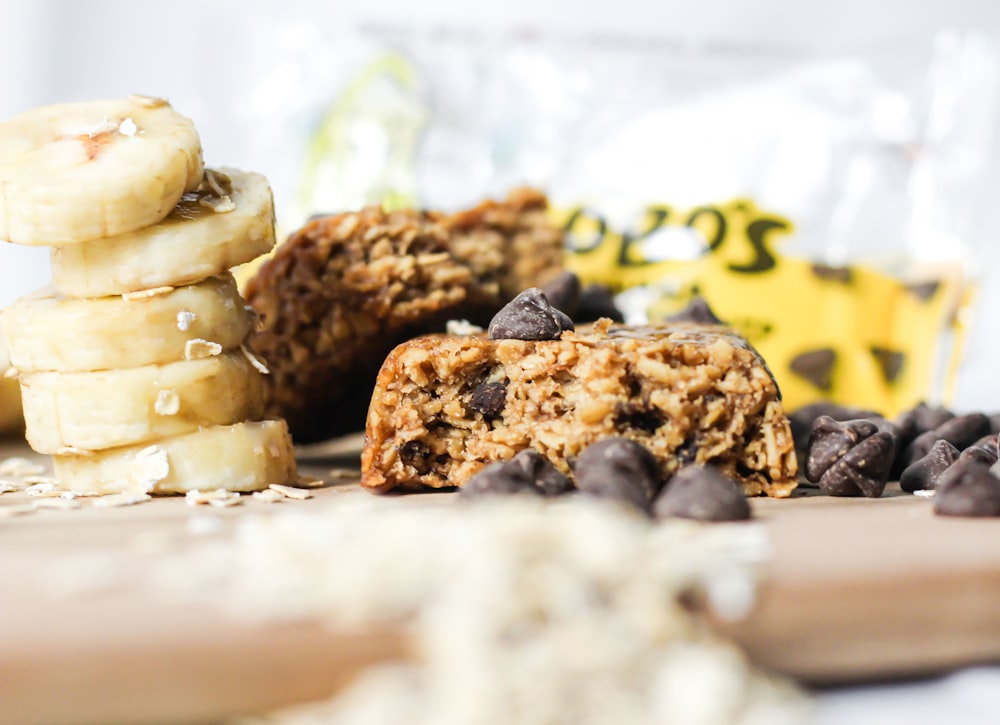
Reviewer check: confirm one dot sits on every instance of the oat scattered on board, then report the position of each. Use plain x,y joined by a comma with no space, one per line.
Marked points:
199,349
60,503
220,498
309,482
127,498
146,293
42,489
343,474
268,496
7,487
17,466
926,493
299,494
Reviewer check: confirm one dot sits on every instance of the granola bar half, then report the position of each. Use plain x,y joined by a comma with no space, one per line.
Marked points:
445,406
345,289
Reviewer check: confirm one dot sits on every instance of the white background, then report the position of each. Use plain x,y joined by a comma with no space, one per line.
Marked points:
208,56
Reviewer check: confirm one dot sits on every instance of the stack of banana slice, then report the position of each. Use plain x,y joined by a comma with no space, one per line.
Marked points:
133,370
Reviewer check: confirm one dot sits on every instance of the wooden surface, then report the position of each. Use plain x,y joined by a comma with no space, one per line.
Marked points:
855,590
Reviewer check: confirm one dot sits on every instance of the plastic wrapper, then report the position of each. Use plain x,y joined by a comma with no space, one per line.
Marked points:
824,206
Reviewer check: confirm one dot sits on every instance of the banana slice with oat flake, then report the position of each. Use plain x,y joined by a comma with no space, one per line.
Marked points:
46,331
80,171
227,221
241,457
89,411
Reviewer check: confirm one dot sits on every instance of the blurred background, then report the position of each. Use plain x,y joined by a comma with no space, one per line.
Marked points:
870,126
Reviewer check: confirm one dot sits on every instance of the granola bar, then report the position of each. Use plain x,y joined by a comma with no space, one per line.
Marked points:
345,289
445,406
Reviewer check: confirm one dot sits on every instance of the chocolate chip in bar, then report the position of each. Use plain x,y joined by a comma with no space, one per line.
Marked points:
489,399
697,311
972,491
563,293
548,479
816,367
849,458
502,477
620,469
529,316
597,301
703,493
923,475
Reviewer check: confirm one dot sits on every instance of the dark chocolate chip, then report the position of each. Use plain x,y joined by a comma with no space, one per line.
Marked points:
995,423
844,275
597,301
974,491
831,440
924,290
563,293
489,399
816,366
502,477
703,493
547,478
924,473
416,454
803,418
529,316
961,431
620,469
864,469
923,417
890,362
698,311
983,451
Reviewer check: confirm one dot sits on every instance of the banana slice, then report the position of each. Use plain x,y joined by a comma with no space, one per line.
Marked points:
48,332
241,457
228,222
96,410
80,171
10,394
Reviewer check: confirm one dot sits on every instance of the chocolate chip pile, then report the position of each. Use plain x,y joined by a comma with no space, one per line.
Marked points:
851,452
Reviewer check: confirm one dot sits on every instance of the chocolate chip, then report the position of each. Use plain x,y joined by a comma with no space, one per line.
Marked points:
983,451
802,420
502,477
529,316
924,290
597,301
923,417
973,492
489,399
831,440
816,366
620,469
890,362
698,311
843,275
703,493
416,454
961,431
864,469
548,479
923,474
563,293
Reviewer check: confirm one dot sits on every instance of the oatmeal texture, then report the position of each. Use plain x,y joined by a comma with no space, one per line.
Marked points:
689,393
345,289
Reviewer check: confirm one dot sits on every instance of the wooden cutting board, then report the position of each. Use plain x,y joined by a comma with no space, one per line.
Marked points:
855,590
